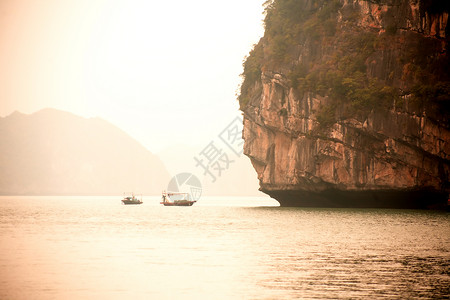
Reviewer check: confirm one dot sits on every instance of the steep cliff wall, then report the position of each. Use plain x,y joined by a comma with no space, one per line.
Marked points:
346,103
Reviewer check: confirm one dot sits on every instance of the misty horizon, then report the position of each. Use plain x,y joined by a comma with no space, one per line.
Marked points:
47,158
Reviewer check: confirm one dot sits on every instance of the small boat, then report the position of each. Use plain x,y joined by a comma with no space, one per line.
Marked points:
176,199
132,200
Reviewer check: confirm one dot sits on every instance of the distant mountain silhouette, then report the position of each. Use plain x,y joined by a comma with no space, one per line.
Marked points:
52,152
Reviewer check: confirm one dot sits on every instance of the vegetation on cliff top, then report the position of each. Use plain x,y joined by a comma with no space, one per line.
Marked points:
335,58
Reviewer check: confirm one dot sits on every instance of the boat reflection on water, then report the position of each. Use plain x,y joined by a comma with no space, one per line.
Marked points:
177,199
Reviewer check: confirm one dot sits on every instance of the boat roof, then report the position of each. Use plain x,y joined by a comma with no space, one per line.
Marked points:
177,193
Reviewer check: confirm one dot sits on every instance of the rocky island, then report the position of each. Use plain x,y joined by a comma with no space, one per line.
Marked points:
347,103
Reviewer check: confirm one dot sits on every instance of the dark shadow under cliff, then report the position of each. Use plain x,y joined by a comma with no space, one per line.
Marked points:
420,199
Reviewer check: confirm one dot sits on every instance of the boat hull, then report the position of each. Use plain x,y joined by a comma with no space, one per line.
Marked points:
178,203
129,202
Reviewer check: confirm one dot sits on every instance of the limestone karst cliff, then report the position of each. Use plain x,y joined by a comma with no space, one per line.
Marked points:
346,103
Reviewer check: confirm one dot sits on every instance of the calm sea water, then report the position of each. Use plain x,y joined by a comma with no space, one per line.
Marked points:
221,248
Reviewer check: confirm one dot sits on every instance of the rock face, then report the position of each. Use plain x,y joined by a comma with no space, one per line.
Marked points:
321,133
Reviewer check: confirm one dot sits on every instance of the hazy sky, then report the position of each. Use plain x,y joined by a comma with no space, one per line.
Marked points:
164,71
